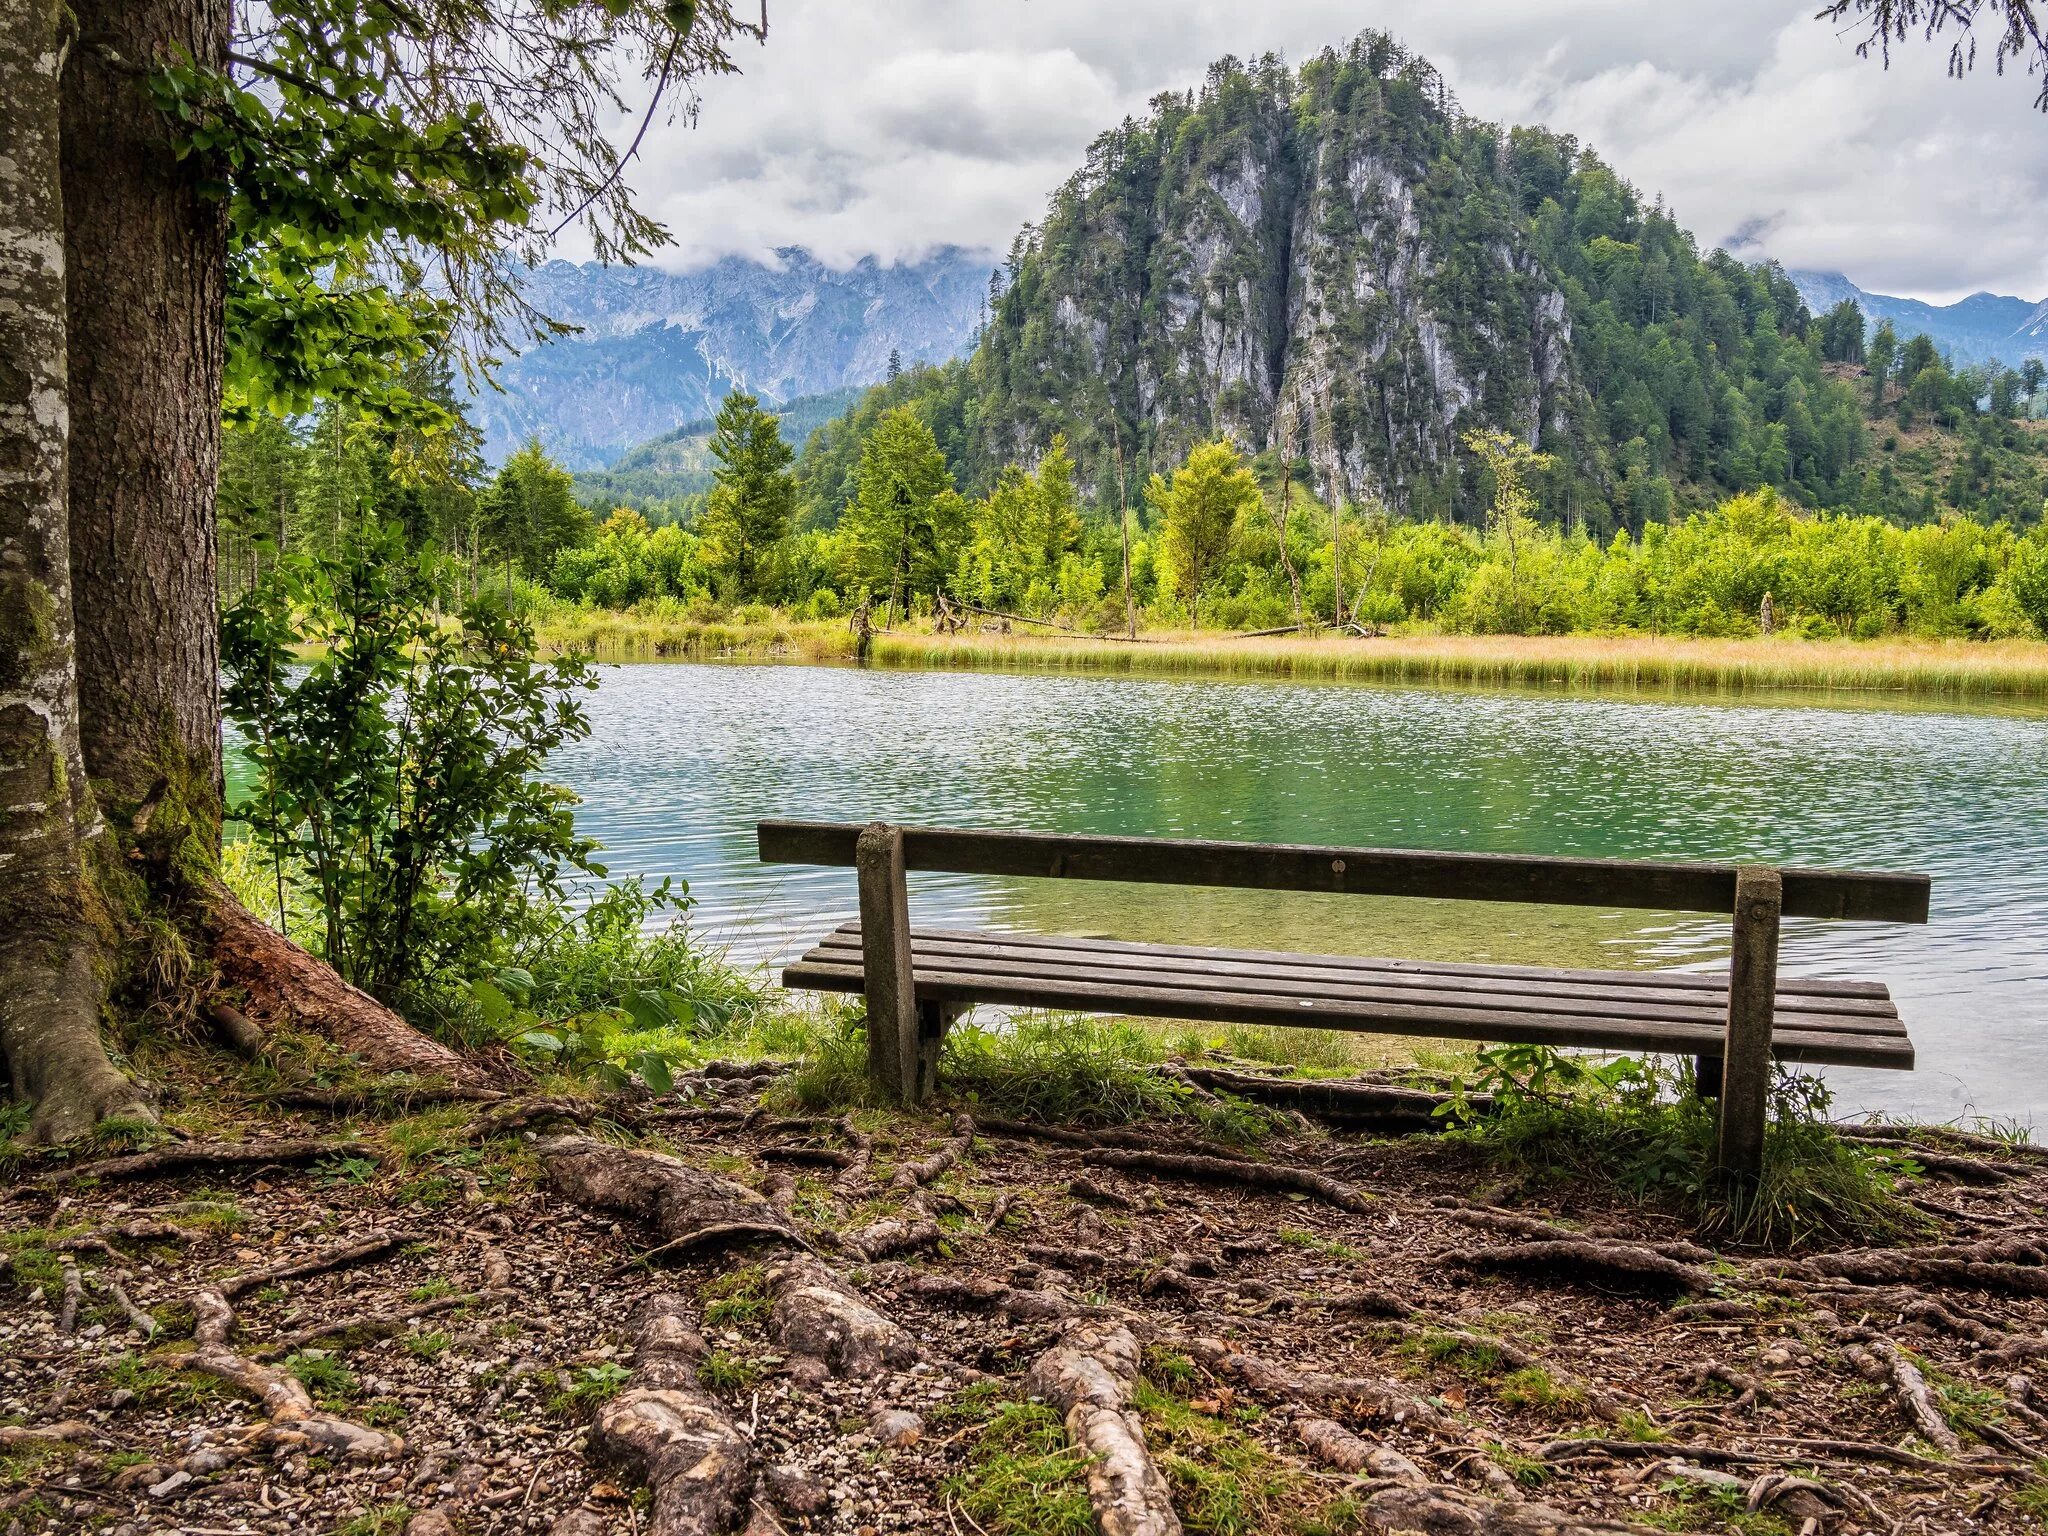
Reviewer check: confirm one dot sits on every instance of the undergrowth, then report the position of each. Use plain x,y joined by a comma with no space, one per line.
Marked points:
1637,1127
1059,1069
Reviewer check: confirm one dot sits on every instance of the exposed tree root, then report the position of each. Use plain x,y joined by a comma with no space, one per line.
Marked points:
818,1317
1603,1261
690,1209
184,1156
2018,1265
1914,1396
293,1418
1372,1107
1245,1173
1379,1398
917,1175
1427,1511
356,1251
62,1432
1071,1136
367,1325
278,983
696,1462
1088,1376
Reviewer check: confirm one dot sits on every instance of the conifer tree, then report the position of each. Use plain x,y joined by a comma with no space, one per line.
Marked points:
753,494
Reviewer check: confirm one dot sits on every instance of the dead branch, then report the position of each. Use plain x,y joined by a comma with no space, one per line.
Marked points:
360,1250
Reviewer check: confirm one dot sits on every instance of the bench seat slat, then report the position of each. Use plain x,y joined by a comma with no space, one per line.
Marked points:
1311,975
1708,981
1546,1007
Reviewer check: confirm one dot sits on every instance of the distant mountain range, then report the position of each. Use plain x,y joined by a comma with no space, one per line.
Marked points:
1979,329
679,463
658,350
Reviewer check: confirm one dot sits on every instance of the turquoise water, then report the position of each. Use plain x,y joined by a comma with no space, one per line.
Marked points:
684,759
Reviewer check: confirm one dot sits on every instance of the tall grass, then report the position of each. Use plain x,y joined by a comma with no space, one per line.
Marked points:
1947,669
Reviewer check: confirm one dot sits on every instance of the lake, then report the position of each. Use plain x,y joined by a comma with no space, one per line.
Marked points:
684,759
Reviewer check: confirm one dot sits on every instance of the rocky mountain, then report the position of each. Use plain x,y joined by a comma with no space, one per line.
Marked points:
657,350
1985,327
1313,255
1339,260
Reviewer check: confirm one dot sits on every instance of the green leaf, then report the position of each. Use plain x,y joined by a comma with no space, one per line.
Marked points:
493,1004
655,1074
650,1010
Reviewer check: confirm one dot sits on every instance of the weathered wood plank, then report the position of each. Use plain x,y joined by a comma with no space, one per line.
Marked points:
1715,982
886,964
1567,998
1746,1057
1675,887
1223,1006
1306,978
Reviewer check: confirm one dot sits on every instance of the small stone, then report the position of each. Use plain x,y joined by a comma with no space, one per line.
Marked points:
797,1491
169,1485
199,1463
895,1427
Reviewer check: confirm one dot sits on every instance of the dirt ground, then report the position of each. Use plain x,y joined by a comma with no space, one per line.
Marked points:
425,1333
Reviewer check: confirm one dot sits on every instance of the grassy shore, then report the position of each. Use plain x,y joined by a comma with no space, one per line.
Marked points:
1953,669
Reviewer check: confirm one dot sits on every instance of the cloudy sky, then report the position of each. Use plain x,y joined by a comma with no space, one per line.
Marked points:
887,127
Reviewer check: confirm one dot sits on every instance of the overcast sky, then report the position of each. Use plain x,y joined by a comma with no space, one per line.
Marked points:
887,127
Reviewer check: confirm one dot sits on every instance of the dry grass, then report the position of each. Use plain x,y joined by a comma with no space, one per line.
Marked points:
1955,669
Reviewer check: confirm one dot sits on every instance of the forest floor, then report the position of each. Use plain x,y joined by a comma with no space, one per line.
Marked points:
1875,670
709,1312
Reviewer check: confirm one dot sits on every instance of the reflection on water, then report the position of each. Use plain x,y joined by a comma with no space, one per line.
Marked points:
684,759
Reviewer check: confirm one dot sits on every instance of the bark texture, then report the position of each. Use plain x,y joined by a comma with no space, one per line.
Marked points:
147,284
51,985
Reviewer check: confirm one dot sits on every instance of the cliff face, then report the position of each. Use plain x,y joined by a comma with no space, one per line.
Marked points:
1333,255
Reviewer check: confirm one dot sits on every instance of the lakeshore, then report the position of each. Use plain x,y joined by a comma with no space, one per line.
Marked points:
2014,670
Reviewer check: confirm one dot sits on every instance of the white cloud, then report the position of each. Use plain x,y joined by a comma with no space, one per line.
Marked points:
893,126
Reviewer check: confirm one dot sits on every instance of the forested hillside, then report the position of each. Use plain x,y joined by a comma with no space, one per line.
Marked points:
1337,261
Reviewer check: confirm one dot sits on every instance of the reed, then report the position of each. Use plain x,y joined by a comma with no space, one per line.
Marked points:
1906,668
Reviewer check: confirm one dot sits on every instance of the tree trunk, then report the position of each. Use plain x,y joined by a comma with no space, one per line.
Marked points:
51,983
148,277
143,263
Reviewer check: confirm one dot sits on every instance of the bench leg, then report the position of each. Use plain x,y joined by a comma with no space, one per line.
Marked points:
933,1020
893,1047
1706,1077
1752,988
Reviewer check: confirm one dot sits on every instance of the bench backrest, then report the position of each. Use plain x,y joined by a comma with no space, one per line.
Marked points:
1635,883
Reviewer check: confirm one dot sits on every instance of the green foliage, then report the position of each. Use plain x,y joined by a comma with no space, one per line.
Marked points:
332,1384
398,765
588,1387
1199,510
1025,533
1023,1479
1063,1069
528,514
906,521
1636,1126
753,495
388,142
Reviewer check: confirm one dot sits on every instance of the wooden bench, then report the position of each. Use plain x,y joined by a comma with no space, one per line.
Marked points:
917,980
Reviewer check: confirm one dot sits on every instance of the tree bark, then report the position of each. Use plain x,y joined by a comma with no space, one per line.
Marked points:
147,253
51,983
